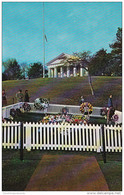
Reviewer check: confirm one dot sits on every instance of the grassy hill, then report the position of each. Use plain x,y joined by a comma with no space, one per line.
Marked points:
68,90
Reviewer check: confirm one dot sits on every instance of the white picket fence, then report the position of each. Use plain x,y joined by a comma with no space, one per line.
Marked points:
62,137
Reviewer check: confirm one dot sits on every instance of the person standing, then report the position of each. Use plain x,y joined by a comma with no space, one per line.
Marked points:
26,98
19,96
82,100
4,99
111,110
110,103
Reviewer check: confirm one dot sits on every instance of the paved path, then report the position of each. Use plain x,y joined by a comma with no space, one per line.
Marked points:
67,173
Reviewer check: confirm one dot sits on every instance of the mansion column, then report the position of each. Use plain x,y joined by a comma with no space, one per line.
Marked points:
61,71
52,72
74,71
68,71
55,72
49,72
81,72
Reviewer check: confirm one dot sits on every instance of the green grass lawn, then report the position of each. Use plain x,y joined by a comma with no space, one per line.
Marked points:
16,173
69,90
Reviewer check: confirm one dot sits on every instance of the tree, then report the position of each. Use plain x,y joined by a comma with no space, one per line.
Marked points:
12,69
4,77
35,70
116,53
24,69
99,62
117,45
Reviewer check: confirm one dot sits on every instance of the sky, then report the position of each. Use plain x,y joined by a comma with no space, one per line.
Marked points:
69,27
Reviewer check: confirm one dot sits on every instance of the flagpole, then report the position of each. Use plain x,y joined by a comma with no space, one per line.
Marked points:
43,44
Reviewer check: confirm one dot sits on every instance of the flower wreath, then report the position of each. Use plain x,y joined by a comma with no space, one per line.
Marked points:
86,108
41,103
26,107
12,112
115,117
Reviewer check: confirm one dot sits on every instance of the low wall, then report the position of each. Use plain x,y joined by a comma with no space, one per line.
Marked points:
6,109
57,108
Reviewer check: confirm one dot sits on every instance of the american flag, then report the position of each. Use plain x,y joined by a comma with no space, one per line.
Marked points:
45,38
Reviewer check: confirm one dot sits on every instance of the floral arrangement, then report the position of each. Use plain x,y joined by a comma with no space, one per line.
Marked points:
76,119
55,118
41,103
26,107
86,108
103,111
69,119
115,118
14,112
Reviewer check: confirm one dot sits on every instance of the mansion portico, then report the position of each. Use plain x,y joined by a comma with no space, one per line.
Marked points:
58,68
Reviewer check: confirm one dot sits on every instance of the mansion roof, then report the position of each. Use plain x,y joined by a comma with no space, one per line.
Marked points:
59,59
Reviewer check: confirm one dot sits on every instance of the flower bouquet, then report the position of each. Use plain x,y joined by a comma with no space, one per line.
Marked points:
26,107
103,111
41,103
86,108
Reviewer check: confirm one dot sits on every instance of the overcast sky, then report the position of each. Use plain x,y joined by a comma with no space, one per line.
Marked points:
69,27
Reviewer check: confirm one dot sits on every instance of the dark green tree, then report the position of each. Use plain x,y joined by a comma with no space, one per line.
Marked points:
12,69
35,70
99,63
4,77
116,62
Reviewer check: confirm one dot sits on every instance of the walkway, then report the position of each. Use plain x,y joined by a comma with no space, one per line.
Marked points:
67,173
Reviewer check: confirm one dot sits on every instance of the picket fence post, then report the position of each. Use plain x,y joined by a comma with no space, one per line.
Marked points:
21,141
28,136
103,142
98,138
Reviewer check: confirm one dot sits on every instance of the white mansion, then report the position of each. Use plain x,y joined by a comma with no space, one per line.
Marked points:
58,68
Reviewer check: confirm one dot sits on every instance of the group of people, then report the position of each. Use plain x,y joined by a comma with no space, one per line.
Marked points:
20,97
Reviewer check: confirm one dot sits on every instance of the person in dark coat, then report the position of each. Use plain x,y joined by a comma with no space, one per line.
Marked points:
26,98
4,99
110,103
